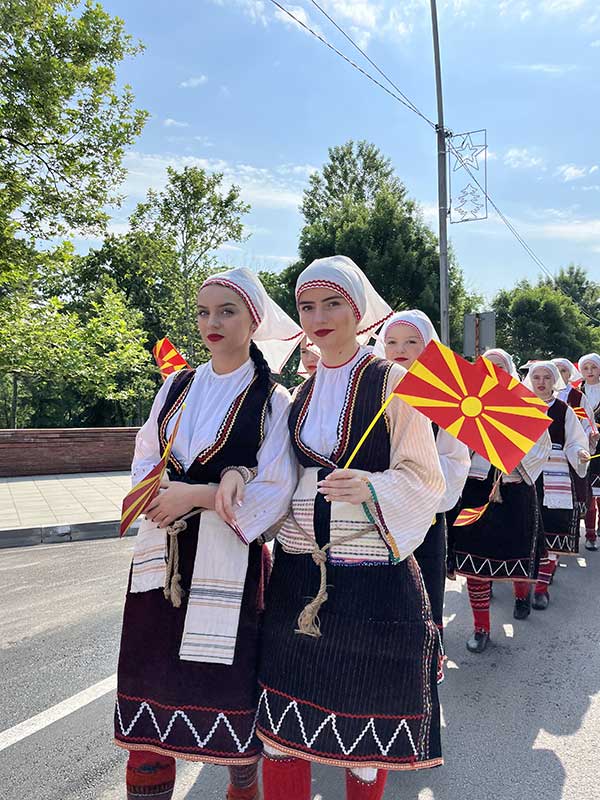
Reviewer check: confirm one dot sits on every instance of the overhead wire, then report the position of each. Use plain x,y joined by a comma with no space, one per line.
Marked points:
400,97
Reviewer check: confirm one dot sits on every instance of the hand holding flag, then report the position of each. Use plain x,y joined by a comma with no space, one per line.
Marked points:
137,500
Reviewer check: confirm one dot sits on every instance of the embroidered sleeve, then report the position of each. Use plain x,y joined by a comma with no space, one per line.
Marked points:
147,448
406,497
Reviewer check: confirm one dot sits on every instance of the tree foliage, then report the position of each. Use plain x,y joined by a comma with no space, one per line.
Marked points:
356,206
63,124
542,322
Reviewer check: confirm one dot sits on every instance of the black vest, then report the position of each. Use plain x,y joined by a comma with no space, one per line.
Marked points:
238,439
364,397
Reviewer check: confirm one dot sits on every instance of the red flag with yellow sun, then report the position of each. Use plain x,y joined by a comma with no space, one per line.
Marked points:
168,358
475,405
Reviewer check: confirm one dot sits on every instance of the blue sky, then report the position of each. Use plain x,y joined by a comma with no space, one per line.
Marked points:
233,86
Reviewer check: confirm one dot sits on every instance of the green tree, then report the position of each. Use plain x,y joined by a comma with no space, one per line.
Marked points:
358,207
141,265
195,214
542,322
575,282
63,125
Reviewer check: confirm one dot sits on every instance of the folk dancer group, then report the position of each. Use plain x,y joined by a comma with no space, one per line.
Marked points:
330,650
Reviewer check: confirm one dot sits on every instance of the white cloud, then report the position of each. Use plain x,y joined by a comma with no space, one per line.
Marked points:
260,186
193,83
173,123
521,158
562,6
595,43
204,141
593,169
547,69
570,172
593,187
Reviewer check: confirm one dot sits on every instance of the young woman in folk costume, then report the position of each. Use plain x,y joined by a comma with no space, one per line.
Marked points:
309,358
505,542
589,366
188,659
575,398
349,677
402,339
569,458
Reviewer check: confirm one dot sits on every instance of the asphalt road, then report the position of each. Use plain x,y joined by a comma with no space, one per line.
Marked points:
521,721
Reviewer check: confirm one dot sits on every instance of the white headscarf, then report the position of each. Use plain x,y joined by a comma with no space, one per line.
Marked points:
558,381
341,274
574,374
416,319
277,335
594,357
508,365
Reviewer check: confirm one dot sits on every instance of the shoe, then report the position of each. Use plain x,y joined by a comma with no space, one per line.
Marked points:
478,642
540,601
522,608
591,544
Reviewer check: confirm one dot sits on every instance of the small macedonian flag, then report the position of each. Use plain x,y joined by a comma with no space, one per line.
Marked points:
468,516
168,358
137,500
512,384
470,402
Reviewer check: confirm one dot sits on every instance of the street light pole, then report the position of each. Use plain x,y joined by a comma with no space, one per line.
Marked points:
442,185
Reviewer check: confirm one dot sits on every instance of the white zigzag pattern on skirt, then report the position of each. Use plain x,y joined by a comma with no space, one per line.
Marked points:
221,717
558,540
502,566
264,700
332,719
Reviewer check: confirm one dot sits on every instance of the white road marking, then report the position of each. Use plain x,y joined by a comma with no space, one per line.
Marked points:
40,721
20,566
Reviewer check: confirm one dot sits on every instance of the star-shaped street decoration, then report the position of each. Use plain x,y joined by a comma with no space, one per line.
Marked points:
466,153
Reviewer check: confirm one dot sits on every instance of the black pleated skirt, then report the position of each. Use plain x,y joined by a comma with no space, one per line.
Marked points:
506,542
364,693
186,709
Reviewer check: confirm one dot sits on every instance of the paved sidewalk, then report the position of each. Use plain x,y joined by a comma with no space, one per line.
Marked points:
55,507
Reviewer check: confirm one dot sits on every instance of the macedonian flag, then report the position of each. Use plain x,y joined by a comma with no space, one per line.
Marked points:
168,358
470,402
137,500
512,384
469,516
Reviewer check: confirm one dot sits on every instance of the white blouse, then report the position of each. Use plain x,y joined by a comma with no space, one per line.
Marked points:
589,425
592,392
532,463
409,493
267,497
575,440
455,462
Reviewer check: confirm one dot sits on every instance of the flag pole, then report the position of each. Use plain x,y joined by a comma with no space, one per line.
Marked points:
368,431
442,185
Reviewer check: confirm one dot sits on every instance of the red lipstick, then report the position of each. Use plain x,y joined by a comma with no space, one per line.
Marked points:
214,337
400,360
323,332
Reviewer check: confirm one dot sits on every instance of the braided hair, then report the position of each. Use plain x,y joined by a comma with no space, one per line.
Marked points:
263,373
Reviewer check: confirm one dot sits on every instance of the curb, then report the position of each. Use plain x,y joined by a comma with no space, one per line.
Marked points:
54,534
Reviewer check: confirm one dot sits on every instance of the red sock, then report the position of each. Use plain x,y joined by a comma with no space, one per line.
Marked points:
286,778
545,572
150,775
479,597
356,789
236,793
521,589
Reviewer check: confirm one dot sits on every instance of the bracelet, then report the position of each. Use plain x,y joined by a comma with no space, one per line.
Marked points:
248,473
